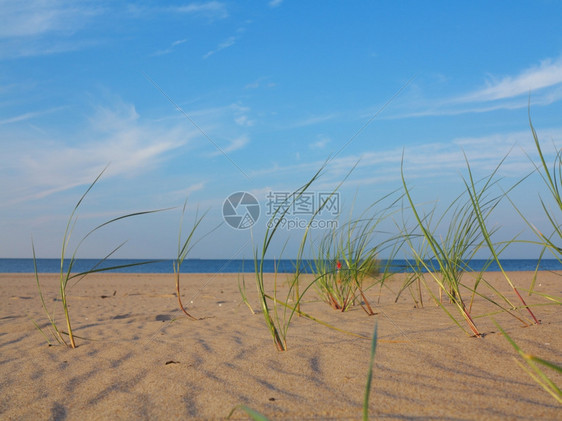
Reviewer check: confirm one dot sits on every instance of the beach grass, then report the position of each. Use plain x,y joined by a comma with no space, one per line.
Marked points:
242,290
441,246
184,247
553,182
482,212
369,382
66,273
277,325
348,254
278,317
445,259
552,179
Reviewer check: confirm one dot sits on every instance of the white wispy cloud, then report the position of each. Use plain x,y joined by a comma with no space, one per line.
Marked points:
44,27
321,143
259,83
546,74
234,145
310,121
229,42
241,115
244,121
427,160
36,17
543,81
28,116
210,10
275,3
213,9
181,195
195,187
37,167
170,48
20,48
217,120
452,109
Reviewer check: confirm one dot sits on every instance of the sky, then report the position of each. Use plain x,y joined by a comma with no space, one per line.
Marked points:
200,100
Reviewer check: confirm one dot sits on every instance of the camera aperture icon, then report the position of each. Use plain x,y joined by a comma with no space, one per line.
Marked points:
241,210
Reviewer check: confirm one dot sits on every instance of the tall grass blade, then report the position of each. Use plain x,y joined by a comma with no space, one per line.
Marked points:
184,248
54,330
242,290
477,206
370,375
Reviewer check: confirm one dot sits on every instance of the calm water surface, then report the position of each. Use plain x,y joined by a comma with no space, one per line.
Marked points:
233,266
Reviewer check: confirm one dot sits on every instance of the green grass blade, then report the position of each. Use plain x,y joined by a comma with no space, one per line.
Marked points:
370,375
42,332
535,372
255,415
542,381
184,249
477,206
54,329
545,363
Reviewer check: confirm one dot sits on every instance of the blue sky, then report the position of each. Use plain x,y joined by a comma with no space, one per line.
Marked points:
203,99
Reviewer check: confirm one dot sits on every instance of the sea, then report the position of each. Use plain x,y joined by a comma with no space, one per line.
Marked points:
237,265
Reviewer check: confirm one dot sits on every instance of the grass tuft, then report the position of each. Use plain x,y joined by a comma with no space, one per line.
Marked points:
446,259
66,273
278,317
348,254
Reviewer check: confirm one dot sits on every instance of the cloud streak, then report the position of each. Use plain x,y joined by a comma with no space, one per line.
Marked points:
37,17
427,161
28,116
542,81
234,145
314,120
213,9
229,42
547,74
44,27
37,168
170,49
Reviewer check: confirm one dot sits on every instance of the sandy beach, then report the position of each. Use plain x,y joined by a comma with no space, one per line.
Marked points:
139,357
